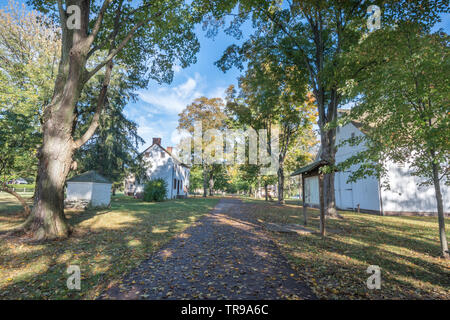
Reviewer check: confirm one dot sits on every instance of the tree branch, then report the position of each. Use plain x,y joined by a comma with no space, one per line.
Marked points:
22,201
100,104
114,52
98,22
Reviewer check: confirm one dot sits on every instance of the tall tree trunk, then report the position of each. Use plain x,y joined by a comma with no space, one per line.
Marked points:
265,190
280,174
322,206
258,194
47,220
329,154
22,201
205,181
328,139
440,208
211,183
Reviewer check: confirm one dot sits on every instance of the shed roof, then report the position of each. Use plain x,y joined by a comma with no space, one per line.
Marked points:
310,167
89,176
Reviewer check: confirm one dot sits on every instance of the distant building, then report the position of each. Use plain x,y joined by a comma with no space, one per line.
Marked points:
405,197
89,188
161,163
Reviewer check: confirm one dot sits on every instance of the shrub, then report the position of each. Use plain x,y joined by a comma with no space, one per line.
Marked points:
155,190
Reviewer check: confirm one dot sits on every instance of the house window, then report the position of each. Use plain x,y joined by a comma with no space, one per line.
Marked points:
163,154
174,183
353,135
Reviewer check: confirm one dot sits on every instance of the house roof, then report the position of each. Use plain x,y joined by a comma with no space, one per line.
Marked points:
310,167
89,176
358,124
170,154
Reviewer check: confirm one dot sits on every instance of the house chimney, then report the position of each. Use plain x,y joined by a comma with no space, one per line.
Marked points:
169,149
157,141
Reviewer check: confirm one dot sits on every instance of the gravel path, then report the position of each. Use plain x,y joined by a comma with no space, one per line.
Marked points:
225,255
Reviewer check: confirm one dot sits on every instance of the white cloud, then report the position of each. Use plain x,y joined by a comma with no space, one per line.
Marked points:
177,135
174,99
176,69
218,92
158,115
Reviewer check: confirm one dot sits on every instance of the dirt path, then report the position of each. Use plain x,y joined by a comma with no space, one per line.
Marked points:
224,255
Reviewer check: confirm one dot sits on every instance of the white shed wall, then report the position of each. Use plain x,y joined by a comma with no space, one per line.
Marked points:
406,196
79,190
101,194
364,192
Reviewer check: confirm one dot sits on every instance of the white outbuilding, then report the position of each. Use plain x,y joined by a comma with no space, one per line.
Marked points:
406,195
89,188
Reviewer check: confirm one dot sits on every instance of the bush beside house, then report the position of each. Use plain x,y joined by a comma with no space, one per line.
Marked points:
155,190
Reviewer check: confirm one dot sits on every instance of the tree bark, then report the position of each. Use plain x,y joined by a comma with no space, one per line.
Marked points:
211,183
22,201
205,181
47,220
329,154
265,190
440,208
280,174
322,206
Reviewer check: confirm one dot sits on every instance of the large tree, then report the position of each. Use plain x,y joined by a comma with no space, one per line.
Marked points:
29,50
210,114
403,103
317,36
93,34
18,141
273,93
113,148
29,53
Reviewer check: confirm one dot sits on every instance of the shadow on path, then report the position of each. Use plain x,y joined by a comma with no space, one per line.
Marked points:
225,255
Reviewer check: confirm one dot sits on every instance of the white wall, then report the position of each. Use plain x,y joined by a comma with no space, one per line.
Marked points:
162,166
364,192
98,193
101,194
406,196
79,190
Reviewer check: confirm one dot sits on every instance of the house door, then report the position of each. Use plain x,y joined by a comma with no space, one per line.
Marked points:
346,191
178,187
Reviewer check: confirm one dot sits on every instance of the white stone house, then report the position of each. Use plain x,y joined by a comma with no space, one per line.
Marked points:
89,188
405,197
161,163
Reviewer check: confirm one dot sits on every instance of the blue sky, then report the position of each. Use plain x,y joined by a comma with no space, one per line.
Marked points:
156,111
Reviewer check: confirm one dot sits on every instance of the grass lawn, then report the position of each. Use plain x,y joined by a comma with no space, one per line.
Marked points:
405,248
10,205
106,245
